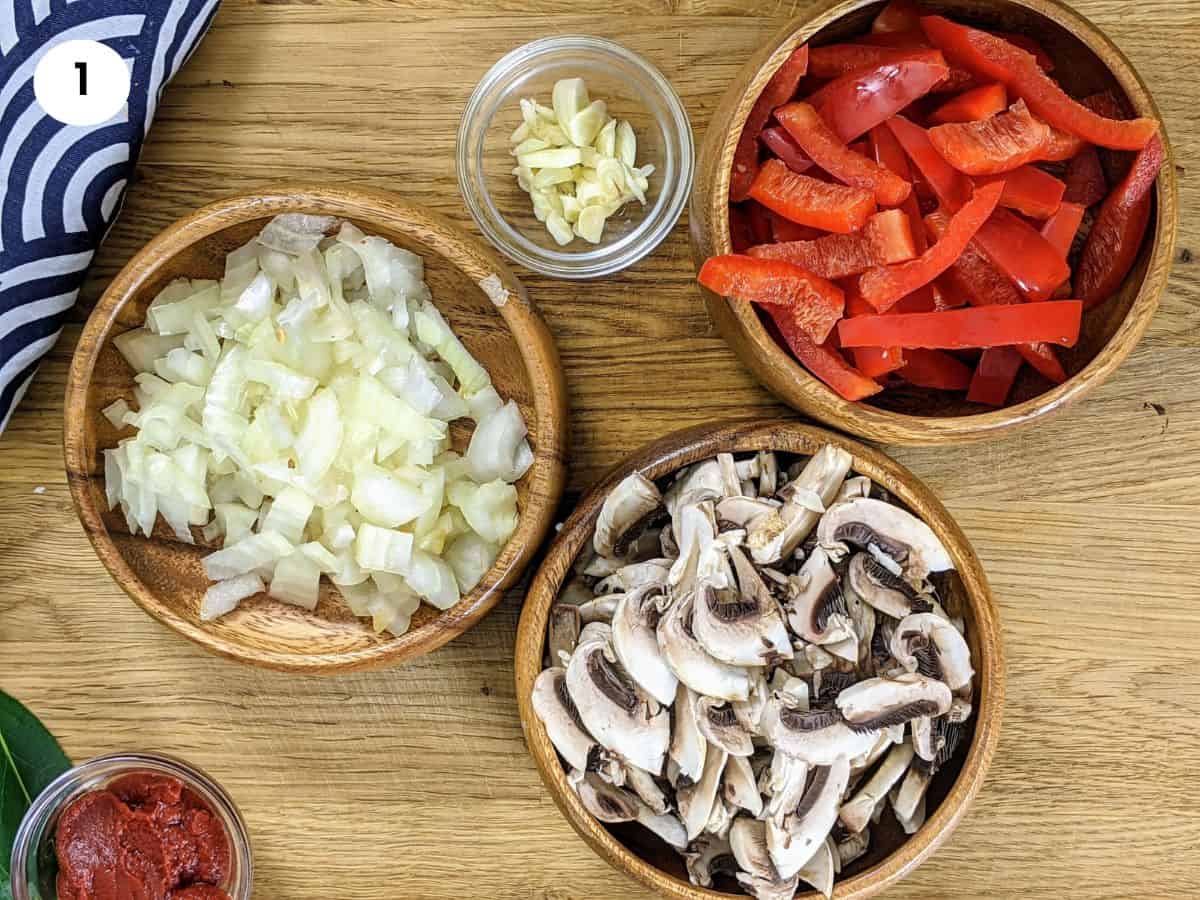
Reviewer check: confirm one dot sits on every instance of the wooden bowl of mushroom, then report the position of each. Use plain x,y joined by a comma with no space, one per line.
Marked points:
761,655
941,391
315,429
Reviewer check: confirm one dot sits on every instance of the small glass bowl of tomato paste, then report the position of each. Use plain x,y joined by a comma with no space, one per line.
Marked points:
133,818
635,92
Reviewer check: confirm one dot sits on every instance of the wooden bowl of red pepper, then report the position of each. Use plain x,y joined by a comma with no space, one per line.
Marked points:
1016,273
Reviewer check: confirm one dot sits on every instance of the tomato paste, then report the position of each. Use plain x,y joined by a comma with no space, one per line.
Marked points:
144,837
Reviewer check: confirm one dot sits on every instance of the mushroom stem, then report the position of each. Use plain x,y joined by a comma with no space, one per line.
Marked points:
856,813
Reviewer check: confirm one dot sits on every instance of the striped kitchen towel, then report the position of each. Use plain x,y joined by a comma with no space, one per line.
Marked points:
61,185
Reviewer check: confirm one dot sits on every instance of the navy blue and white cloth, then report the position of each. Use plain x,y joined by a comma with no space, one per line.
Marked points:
62,185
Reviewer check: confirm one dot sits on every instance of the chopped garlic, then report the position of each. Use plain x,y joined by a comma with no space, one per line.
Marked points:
576,162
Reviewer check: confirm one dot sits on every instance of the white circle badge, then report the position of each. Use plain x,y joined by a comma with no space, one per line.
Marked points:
81,82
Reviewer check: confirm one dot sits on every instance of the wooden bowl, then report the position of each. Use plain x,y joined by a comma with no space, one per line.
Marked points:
1087,62
893,854
487,307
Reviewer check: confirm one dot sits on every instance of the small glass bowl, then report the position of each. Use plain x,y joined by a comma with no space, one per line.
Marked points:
34,865
634,91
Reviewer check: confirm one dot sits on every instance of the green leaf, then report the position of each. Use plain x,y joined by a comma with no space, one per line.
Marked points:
30,758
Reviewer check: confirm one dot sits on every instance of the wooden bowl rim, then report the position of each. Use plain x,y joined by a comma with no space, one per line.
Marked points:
792,382
463,251
689,445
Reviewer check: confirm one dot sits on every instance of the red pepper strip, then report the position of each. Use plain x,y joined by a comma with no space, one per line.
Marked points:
883,287
935,369
779,90
950,186
1061,146
973,105
1056,321
1029,45
886,238
996,59
898,15
1085,178
830,207
822,360
1017,249
999,144
973,277
872,361
760,221
818,304
1060,229
856,103
740,235
786,150
1029,190
1115,163
786,230
994,376
828,151
886,151
836,60
1116,237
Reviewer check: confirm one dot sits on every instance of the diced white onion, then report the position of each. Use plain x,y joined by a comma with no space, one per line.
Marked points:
224,596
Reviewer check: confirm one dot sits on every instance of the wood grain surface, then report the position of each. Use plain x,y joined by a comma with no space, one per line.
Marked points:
414,782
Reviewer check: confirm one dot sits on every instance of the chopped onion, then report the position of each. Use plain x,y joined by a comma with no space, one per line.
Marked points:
224,596
384,549
498,448
297,580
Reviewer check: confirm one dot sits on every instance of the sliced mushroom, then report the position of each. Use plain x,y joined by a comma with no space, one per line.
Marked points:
731,483
599,609
635,640
879,702
688,746
927,740
563,631
696,801
819,737
888,529
691,663
804,499
595,631
818,871
643,784
784,784
817,609
852,488
856,812
766,889
720,820
665,825
720,726
575,593
627,511
907,799
928,644
614,710
853,847
794,842
554,706
768,473
864,619
696,534
886,740
882,588
697,483
743,512
740,787
635,575
748,841
613,804
707,856
749,711
738,628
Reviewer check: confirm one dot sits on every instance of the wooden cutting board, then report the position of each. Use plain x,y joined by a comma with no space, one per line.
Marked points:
415,782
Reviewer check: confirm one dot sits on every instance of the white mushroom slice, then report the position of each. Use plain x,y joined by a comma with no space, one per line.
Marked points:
802,833
883,743
784,783
627,510
881,588
960,711
562,631
707,856
744,512
817,609
741,787
837,859
817,657
601,609
720,726
925,741
595,631
879,702
688,746
864,619
858,486
731,483
643,784
929,644
777,535
697,483
575,593
742,629
613,804
696,802
768,473
691,663
766,889
856,812
818,871
907,799
635,640
665,825
749,711
748,841
819,737
853,847
614,711
696,532
635,575
721,819
600,566
553,705
894,532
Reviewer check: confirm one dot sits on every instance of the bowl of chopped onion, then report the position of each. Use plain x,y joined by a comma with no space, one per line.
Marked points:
315,429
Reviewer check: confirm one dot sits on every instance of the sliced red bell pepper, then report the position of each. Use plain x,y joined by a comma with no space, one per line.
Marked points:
856,103
1115,163
1060,229
950,186
740,235
883,287
898,15
886,151
818,304
784,147
1085,178
996,59
1029,45
875,362
970,106
975,278
935,369
1017,249
1061,146
831,207
822,360
1113,243
886,238
994,376
836,60
828,151
1029,190
999,144
786,230
778,90
1055,321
